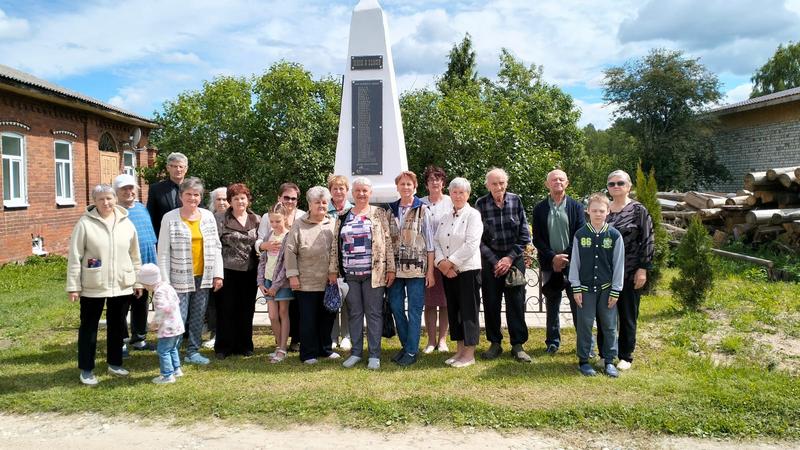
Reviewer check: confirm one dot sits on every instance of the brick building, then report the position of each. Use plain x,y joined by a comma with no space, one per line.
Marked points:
56,145
758,134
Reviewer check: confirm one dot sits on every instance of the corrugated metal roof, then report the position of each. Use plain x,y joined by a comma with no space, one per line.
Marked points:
30,80
775,98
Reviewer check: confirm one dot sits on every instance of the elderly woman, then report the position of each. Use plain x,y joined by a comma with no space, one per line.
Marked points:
306,260
633,222
190,259
289,197
362,254
458,239
411,226
435,303
339,186
218,203
101,269
238,228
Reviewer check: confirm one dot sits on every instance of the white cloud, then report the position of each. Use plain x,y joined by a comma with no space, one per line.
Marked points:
737,94
180,58
597,114
12,29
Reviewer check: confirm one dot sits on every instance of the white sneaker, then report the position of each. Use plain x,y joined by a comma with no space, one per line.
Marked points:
623,365
311,361
118,371
334,345
373,364
161,379
178,373
91,380
429,349
334,355
346,344
450,361
351,361
443,348
210,343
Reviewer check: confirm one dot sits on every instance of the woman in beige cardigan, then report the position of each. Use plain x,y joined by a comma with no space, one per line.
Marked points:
101,269
362,254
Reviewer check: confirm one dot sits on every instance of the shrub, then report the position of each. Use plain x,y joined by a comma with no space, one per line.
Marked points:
693,258
646,190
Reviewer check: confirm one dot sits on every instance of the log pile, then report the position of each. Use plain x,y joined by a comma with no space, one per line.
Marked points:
766,209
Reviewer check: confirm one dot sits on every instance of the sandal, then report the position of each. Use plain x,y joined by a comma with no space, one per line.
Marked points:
280,355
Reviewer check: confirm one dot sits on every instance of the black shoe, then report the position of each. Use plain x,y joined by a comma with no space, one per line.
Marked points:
494,351
399,355
407,359
142,345
552,349
248,353
221,355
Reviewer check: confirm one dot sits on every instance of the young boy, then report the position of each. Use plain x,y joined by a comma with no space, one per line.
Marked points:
167,322
596,275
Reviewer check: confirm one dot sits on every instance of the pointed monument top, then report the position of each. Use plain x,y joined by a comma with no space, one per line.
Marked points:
364,5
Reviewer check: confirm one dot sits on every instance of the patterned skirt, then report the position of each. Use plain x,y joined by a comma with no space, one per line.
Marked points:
435,296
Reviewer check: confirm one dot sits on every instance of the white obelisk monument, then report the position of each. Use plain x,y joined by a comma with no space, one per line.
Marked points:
371,141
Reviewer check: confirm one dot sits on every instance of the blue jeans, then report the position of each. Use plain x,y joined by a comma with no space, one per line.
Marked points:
408,328
595,304
193,312
168,358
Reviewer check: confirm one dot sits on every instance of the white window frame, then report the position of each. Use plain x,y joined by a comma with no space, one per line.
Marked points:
130,170
66,175
20,200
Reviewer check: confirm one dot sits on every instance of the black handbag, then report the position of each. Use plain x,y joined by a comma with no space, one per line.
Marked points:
389,329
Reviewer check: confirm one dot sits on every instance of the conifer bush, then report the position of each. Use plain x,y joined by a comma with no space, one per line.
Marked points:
693,258
646,190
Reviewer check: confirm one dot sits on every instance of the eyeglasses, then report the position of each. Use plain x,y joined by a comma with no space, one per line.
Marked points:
616,183
286,198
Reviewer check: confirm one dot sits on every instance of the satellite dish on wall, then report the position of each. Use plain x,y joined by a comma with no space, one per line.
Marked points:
136,136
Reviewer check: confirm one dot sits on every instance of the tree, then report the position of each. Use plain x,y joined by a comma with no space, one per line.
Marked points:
660,100
646,190
461,68
693,257
262,131
603,152
781,72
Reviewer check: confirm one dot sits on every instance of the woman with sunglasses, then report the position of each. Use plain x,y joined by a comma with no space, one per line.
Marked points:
288,196
634,223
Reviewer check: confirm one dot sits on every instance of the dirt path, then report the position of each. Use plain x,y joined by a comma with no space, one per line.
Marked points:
85,431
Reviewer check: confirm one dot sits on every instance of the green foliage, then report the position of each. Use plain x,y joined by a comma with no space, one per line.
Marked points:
696,277
461,68
604,151
646,190
660,100
519,123
277,127
781,72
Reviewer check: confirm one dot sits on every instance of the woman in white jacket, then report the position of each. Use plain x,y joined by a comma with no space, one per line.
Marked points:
190,259
457,242
101,269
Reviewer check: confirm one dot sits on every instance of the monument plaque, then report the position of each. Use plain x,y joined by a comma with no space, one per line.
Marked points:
367,140
366,62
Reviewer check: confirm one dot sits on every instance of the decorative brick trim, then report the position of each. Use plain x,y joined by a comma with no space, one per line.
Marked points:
15,124
68,133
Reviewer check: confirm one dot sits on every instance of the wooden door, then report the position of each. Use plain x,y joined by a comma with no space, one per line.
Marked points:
109,167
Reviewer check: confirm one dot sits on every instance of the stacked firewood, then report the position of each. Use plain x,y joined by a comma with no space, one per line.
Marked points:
768,208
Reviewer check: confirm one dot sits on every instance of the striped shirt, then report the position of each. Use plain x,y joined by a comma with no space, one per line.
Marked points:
357,245
505,230
144,229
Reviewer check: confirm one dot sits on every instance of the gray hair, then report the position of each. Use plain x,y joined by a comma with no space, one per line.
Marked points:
192,183
495,170
318,192
364,181
460,183
220,191
620,173
179,157
103,189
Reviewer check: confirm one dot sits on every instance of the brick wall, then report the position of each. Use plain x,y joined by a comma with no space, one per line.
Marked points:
43,216
758,140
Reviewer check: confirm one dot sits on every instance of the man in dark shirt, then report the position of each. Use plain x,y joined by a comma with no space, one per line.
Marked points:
505,236
556,219
164,196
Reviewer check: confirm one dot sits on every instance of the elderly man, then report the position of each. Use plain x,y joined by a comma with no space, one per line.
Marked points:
126,189
556,219
163,196
505,236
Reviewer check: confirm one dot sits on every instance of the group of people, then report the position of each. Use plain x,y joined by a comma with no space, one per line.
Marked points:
437,254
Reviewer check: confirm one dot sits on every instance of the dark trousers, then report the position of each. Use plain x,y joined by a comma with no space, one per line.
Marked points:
138,309
493,290
91,312
235,313
628,311
463,304
553,292
294,321
211,310
316,324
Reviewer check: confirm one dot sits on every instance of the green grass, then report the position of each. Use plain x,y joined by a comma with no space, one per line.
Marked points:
674,387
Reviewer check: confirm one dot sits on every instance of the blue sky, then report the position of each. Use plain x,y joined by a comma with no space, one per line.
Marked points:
137,54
